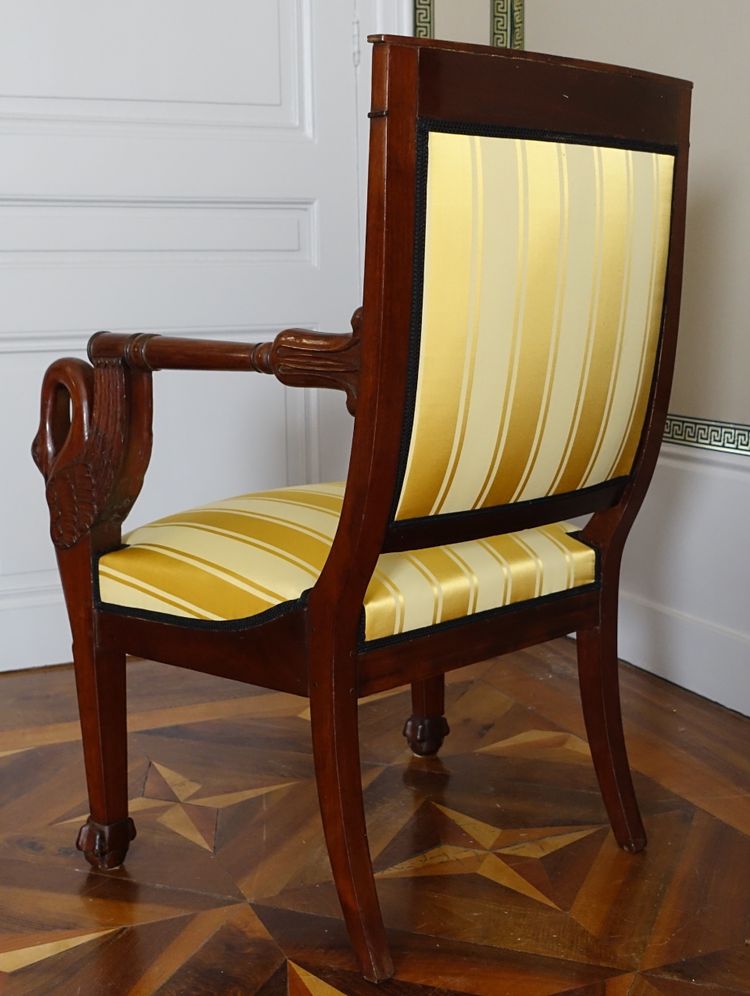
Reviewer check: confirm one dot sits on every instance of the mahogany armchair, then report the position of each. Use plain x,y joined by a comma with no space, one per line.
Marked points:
510,368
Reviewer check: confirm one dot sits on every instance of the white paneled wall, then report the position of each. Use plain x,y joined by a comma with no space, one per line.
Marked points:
181,167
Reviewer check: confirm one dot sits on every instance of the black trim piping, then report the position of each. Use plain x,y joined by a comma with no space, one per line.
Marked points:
399,526
542,135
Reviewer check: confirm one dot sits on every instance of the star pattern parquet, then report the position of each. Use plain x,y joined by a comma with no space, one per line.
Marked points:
495,865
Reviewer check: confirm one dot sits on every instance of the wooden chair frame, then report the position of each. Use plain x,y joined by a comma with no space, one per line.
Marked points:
94,444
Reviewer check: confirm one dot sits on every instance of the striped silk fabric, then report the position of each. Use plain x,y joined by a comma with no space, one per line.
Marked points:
544,278
239,557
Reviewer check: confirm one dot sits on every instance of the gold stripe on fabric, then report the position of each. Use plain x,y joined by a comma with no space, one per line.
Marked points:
522,268
216,568
664,170
234,549
244,519
606,315
522,569
298,545
576,326
316,500
437,591
557,317
385,607
551,559
417,586
639,327
473,318
119,589
217,592
587,305
580,558
525,540
497,339
469,573
617,348
505,597
562,542
447,276
539,326
453,583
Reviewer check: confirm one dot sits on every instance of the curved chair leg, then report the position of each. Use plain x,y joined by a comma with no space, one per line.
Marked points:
600,698
335,737
427,727
100,683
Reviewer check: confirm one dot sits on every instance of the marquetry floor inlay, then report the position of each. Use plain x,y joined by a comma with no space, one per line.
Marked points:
495,865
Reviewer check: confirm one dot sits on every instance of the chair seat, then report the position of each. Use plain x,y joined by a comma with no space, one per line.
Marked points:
236,558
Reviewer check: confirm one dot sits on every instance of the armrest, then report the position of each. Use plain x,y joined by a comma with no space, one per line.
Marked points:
296,357
93,447
95,433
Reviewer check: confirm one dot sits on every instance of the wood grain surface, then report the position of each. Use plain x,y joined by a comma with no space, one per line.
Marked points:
495,865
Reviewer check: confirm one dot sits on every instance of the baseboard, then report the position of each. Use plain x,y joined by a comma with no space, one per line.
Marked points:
711,660
686,576
35,629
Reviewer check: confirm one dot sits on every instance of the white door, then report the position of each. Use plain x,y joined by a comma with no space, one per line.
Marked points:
177,166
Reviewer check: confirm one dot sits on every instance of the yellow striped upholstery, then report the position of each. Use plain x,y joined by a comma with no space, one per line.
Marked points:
235,558
543,285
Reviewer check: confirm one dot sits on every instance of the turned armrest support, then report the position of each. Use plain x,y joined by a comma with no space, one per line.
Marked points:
296,357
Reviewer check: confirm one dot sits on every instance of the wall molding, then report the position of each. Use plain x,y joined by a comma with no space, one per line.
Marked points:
708,434
29,590
80,113
75,231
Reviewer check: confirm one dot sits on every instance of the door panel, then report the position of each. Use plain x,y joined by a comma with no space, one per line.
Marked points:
180,167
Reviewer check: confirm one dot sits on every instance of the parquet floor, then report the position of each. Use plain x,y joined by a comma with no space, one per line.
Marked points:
496,870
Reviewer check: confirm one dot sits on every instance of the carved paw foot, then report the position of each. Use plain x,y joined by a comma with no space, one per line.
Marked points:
425,734
105,845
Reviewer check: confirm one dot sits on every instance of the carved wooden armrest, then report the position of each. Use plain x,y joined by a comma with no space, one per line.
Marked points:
93,446
297,357
95,434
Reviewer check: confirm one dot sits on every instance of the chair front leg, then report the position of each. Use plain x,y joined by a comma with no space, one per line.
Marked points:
427,727
93,447
100,683
100,686
335,736
600,698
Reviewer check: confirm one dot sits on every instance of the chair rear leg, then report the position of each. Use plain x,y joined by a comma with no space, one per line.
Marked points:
427,727
600,698
100,684
335,737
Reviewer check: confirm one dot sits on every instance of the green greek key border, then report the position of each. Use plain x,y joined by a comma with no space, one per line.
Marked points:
506,21
708,434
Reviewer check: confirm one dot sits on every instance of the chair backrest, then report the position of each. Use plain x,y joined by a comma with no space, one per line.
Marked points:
541,263
522,282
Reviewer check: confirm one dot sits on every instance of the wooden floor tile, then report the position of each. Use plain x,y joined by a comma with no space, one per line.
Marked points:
496,868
